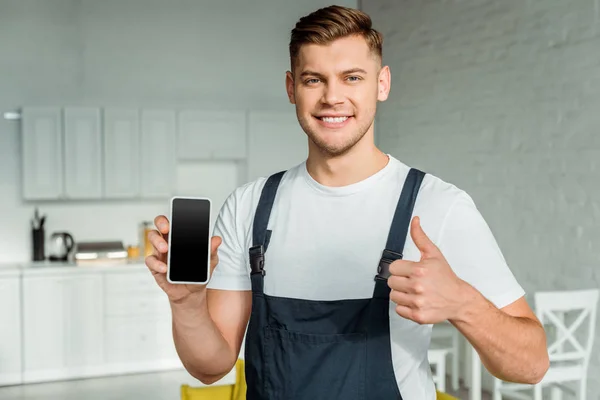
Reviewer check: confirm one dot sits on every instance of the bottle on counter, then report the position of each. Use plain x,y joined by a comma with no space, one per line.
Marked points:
146,247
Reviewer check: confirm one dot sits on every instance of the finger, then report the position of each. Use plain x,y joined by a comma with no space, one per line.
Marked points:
157,240
405,285
400,298
215,242
402,268
399,283
411,314
405,312
155,265
413,301
424,244
162,224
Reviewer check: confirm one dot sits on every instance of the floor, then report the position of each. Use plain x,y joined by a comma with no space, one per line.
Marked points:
153,386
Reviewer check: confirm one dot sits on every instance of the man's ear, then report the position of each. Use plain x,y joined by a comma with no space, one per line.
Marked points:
289,86
384,83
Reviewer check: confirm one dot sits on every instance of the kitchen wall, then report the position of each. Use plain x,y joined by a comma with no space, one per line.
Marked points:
502,98
134,53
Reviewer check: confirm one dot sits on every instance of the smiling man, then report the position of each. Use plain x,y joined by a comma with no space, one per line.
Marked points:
338,266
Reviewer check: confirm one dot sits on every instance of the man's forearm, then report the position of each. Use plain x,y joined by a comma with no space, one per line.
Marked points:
201,347
511,348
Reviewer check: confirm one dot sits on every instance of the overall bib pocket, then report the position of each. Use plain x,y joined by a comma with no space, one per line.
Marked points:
302,366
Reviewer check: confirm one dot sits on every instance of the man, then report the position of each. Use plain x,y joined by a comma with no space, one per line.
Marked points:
339,266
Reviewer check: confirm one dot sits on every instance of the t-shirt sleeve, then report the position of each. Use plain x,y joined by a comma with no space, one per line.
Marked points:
473,253
231,273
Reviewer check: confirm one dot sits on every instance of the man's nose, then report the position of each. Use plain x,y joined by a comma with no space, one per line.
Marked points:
332,94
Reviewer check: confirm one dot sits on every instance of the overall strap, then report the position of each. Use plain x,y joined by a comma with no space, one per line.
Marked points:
260,235
400,226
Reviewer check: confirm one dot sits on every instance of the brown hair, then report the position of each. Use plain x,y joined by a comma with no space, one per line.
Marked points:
330,23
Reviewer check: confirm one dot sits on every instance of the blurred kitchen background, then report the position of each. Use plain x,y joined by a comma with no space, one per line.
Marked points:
108,108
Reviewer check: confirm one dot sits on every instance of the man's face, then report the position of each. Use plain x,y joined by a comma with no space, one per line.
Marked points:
335,89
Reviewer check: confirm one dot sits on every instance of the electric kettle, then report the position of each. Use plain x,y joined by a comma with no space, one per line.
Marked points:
59,246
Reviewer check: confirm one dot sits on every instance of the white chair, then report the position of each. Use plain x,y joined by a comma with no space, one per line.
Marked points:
445,336
569,347
437,362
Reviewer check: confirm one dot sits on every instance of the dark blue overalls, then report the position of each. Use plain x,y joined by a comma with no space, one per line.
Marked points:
340,349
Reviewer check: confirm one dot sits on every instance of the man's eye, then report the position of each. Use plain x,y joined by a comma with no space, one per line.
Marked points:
311,81
353,78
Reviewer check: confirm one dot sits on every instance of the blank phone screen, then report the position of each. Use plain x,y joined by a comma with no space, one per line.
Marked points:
190,226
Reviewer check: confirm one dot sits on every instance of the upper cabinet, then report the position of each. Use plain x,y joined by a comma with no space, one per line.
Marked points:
158,137
114,153
211,135
42,153
121,153
88,153
83,153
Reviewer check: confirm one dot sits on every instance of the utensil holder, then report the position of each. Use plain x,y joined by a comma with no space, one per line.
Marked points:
38,236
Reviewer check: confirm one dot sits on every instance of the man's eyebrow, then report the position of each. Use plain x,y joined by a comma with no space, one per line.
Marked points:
346,72
310,73
354,71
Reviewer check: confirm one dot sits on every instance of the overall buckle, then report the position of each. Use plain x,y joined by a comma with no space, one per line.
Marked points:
383,269
257,260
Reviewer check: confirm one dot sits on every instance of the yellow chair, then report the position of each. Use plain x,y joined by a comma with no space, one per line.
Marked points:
238,390
222,392
444,396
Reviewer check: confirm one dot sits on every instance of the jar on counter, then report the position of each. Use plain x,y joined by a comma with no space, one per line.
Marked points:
145,228
133,252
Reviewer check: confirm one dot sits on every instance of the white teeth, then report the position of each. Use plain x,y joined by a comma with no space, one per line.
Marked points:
335,120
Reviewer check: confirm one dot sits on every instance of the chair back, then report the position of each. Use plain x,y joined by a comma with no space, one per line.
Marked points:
569,318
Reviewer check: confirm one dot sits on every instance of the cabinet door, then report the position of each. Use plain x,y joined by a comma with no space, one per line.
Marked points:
10,331
277,142
158,153
83,153
42,153
121,153
211,135
63,326
43,327
84,323
138,322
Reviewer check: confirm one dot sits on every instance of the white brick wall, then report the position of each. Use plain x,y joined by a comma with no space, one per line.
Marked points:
502,98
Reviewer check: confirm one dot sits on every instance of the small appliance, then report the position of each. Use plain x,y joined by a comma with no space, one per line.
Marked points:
60,246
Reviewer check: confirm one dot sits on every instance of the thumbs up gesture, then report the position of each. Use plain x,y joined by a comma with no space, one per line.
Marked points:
427,291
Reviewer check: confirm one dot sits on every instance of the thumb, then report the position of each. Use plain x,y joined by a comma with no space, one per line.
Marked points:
424,244
215,242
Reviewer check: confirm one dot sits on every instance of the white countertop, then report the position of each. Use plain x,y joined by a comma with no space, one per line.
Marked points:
57,267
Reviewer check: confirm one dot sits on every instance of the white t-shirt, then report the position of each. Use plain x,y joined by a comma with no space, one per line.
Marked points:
327,241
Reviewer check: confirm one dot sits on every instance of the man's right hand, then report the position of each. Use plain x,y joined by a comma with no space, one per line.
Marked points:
157,262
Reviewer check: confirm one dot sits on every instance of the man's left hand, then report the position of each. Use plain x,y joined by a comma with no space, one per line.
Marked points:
427,291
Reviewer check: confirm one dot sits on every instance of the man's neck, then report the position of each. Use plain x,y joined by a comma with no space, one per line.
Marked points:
352,167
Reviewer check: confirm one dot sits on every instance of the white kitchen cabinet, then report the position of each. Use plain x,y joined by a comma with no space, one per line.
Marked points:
276,143
42,153
10,331
84,325
121,153
158,158
138,323
63,326
83,153
43,336
211,135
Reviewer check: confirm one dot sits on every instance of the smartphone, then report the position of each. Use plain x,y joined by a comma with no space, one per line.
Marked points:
188,260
